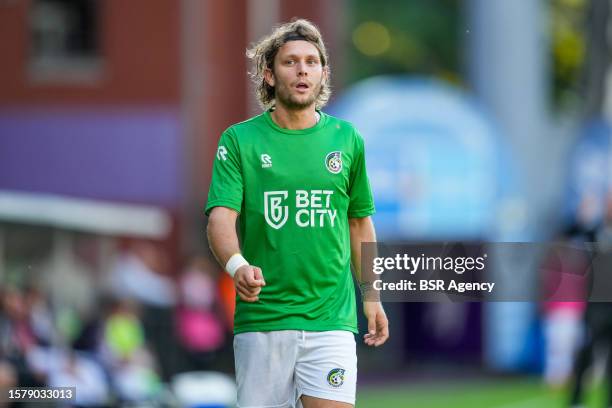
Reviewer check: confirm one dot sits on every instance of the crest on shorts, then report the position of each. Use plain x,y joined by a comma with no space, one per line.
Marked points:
333,162
335,377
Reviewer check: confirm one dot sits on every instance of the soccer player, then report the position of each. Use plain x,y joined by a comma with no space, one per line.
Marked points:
296,179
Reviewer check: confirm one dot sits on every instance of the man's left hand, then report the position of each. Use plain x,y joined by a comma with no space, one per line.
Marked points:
378,325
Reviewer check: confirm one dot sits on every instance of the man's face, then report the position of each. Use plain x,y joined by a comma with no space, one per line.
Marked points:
298,75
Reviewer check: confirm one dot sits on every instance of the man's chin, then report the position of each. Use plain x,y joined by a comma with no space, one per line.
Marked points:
299,103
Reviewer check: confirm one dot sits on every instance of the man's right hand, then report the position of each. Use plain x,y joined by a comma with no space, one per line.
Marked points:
249,281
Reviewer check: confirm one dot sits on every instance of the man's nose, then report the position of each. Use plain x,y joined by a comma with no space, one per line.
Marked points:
302,69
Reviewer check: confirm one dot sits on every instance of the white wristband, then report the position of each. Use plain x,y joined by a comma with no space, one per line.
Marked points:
234,263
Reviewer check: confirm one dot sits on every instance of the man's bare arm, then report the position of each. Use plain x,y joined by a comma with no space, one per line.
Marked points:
362,230
223,241
221,232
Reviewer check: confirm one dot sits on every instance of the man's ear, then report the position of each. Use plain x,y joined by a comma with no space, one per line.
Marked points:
325,74
269,77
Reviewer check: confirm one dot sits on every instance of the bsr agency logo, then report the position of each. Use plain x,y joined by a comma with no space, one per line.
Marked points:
313,208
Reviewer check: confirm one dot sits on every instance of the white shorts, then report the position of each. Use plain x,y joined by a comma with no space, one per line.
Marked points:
274,369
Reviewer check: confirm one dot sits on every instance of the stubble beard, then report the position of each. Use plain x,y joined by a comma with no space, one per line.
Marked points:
288,100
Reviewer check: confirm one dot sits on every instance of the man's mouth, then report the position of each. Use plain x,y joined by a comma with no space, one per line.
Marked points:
302,86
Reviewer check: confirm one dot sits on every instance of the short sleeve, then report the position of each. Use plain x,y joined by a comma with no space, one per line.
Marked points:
226,185
361,202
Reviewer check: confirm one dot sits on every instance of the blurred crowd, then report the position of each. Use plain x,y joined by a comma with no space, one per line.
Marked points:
122,339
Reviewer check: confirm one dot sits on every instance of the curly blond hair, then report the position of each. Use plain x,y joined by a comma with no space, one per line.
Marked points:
262,55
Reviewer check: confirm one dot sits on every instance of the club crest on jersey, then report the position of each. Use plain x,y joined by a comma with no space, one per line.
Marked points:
333,162
335,377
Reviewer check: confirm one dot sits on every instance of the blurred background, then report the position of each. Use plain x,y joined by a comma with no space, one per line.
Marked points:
484,121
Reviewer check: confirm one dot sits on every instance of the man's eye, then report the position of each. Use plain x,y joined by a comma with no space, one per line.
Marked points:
289,62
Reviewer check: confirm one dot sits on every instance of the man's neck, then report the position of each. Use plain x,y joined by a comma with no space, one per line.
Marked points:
294,119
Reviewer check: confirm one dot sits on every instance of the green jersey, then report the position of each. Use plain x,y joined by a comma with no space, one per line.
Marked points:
295,191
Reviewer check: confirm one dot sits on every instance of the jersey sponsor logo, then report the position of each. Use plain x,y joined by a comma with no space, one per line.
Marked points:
266,161
221,153
333,162
275,213
335,377
313,208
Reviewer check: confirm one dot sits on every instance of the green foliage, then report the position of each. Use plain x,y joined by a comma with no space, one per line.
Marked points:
568,43
398,36
429,37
